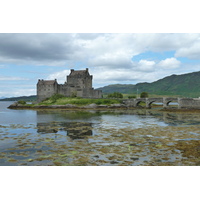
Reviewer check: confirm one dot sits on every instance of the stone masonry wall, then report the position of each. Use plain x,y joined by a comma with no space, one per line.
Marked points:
189,103
78,83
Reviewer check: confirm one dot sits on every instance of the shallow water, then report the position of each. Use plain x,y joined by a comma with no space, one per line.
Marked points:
131,137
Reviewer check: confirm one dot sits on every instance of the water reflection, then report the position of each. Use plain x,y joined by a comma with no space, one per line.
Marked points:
79,124
75,130
46,128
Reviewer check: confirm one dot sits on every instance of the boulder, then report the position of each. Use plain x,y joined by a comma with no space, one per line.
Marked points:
93,105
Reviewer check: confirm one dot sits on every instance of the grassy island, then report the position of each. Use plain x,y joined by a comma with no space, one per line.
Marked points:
78,101
59,101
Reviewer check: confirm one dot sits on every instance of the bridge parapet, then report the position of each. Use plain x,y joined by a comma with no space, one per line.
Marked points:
182,102
189,103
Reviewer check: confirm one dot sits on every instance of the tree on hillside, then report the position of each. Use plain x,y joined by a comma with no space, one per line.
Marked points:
132,97
144,95
115,95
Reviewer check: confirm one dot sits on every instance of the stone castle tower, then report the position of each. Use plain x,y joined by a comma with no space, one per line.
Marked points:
78,84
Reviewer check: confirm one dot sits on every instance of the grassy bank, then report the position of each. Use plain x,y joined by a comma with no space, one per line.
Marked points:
77,101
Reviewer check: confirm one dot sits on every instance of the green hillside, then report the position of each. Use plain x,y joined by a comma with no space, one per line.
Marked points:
24,98
185,85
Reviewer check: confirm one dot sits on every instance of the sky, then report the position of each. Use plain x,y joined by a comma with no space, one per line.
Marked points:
112,58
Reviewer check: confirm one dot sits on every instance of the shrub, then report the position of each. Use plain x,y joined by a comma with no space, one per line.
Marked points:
132,97
115,95
21,102
144,95
74,94
55,97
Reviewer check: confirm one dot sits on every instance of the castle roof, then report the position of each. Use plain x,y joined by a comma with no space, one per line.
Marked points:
47,82
79,72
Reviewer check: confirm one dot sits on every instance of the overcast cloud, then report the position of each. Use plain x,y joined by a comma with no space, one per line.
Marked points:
111,58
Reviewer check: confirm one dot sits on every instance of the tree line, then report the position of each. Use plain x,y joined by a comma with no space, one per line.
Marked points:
120,95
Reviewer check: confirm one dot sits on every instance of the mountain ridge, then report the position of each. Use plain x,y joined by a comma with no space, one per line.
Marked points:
183,85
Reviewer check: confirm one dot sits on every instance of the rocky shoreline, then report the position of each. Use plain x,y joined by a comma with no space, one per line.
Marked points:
95,107
68,106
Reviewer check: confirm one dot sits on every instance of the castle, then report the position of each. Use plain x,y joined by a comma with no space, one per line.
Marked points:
78,84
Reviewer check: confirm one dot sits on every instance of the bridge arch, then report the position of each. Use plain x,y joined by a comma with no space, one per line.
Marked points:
149,105
167,101
137,104
140,100
172,103
150,101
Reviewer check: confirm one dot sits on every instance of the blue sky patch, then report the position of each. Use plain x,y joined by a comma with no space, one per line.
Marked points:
155,56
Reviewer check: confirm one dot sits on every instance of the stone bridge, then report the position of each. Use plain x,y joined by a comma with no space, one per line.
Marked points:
191,103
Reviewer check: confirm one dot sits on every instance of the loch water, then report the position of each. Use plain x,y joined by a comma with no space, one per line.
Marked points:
98,138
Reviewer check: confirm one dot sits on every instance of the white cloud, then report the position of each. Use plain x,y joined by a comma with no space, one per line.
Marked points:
147,66
97,49
103,76
117,60
192,52
169,63
9,78
60,76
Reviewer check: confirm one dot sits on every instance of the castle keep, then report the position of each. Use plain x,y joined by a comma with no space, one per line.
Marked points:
78,84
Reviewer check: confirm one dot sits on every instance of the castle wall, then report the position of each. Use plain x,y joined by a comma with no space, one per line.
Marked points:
91,93
79,80
46,89
85,82
79,83
64,90
97,94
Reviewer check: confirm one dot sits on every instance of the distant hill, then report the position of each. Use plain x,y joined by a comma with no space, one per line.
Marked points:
25,98
185,85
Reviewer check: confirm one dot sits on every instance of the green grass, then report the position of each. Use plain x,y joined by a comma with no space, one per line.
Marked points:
79,101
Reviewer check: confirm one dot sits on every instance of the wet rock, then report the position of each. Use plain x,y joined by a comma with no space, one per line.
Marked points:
70,106
133,144
159,160
147,136
57,106
115,105
102,106
189,148
134,158
114,162
14,105
93,105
